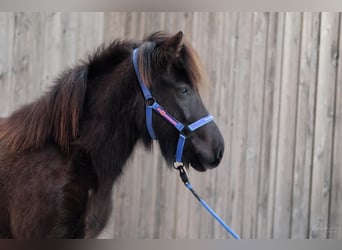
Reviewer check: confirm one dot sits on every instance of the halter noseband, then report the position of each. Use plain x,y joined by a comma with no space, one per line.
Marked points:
151,104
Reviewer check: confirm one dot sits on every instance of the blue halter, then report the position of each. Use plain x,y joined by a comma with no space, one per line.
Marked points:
151,104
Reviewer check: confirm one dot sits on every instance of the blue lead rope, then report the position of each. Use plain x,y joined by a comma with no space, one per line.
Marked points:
186,182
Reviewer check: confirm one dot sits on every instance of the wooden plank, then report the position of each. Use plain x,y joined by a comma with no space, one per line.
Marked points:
214,39
270,125
7,22
132,24
194,231
323,138
90,33
52,56
305,126
287,122
36,50
239,129
225,88
335,213
254,127
113,25
21,60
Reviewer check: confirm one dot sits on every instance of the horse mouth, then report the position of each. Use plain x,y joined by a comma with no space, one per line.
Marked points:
199,163
200,168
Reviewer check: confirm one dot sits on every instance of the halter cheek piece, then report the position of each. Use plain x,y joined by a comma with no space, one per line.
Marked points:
151,104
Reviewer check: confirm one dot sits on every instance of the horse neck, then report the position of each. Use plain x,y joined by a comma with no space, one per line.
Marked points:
111,137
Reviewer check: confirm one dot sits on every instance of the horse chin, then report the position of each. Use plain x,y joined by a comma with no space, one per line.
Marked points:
201,164
198,165
200,168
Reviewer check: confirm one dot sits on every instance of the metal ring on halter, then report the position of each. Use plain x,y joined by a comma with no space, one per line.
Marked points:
150,101
178,165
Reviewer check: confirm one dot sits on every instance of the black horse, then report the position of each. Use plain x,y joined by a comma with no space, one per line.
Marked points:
60,155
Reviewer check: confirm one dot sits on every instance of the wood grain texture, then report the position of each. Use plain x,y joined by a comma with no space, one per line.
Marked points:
324,121
287,121
270,120
335,215
7,23
304,125
275,92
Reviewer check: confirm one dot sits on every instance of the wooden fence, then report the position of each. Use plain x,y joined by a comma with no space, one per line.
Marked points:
276,95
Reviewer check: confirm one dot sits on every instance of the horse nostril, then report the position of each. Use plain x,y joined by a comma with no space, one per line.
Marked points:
220,154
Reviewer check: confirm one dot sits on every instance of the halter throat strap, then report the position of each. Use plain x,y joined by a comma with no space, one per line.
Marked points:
152,105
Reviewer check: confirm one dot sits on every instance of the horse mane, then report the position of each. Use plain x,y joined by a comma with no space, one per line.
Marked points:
53,116
56,115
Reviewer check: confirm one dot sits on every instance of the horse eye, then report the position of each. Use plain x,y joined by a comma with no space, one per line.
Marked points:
184,90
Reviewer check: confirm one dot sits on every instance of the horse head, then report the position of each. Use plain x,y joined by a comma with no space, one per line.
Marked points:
171,70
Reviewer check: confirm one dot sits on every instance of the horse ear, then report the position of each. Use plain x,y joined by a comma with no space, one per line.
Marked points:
173,43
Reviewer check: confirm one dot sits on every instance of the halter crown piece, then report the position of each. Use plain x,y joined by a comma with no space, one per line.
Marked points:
151,104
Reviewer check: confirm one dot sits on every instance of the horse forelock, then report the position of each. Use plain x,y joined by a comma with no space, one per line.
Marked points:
186,57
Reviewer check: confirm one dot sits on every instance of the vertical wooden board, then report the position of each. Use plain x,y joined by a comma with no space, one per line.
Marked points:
214,38
168,227
90,33
114,26
225,57
270,118
148,195
287,122
335,213
323,138
132,24
21,59
305,126
164,223
6,48
70,41
154,22
217,55
204,182
36,49
239,129
51,58
254,126
275,74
